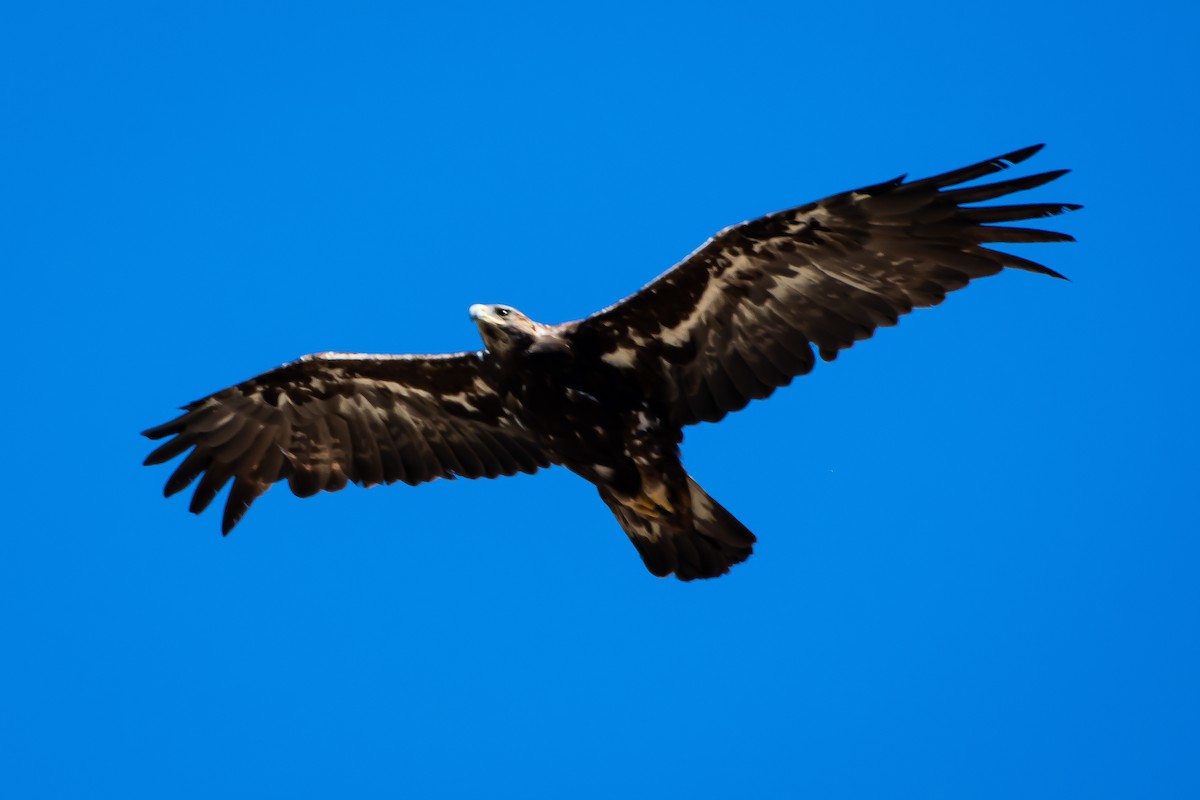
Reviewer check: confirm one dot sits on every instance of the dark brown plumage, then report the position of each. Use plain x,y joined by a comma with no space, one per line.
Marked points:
608,396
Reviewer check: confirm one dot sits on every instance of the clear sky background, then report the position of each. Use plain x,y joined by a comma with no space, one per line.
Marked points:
978,557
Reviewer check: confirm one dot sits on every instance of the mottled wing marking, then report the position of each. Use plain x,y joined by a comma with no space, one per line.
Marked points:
333,418
741,315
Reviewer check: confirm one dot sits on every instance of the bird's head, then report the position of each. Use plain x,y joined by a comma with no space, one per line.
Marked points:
504,329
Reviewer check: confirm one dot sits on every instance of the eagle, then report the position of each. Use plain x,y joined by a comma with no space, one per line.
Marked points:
608,396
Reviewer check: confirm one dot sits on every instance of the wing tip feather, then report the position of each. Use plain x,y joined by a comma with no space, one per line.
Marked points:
1017,156
166,429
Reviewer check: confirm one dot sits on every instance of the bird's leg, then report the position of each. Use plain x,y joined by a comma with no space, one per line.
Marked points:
654,500
655,491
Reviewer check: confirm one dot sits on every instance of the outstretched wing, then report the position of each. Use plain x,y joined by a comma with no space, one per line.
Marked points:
334,418
739,317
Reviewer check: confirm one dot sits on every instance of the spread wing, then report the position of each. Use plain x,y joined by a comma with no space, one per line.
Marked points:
332,418
740,316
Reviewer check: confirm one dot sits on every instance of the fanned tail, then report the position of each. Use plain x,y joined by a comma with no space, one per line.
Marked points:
707,548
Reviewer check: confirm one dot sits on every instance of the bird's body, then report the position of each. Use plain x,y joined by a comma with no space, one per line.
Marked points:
605,423
608,396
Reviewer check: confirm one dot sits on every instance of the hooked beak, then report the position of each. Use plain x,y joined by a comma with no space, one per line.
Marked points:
482,313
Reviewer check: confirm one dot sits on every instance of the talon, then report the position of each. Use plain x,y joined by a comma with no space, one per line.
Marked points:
658,496
648,507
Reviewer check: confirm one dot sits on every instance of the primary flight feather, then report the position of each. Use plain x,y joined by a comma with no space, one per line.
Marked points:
608,396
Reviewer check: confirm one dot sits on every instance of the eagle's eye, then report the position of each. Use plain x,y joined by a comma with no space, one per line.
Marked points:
502,312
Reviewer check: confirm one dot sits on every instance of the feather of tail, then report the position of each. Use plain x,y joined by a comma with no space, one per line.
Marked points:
707,548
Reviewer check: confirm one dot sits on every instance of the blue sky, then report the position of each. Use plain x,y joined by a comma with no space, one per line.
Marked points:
976,574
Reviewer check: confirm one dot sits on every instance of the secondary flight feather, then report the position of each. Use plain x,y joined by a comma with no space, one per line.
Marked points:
608,396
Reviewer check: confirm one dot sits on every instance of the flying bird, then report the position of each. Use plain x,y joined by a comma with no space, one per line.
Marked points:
608,396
